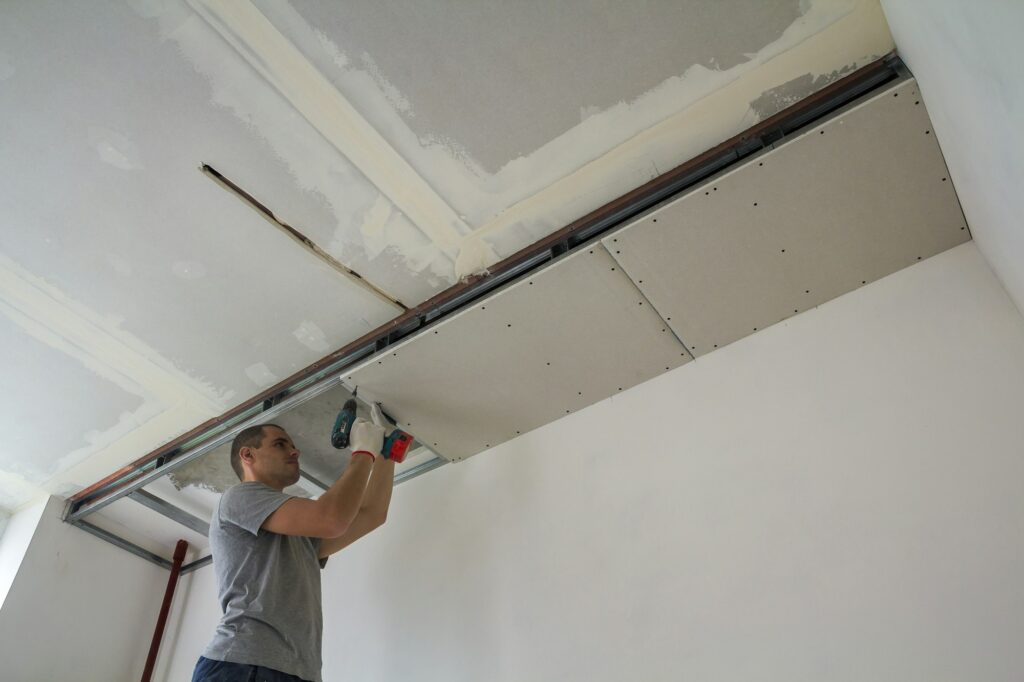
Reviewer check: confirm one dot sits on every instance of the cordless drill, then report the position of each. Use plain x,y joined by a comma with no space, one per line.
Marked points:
396,444
343,424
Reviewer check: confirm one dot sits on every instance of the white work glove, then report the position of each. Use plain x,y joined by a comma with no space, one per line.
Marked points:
368,436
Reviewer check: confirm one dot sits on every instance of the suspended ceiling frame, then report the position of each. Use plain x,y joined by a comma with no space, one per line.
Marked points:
328,372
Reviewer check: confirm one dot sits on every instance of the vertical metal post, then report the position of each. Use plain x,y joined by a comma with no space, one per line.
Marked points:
165,608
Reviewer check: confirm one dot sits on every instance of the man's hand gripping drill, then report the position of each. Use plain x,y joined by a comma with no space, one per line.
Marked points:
368,436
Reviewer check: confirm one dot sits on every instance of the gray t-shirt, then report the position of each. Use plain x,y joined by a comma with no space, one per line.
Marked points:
268,584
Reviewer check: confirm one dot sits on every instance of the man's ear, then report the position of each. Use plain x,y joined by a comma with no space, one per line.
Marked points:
245,454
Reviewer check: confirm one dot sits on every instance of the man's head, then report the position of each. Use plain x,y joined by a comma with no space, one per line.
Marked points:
265,454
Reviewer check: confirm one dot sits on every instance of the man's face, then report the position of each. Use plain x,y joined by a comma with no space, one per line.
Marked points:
276,461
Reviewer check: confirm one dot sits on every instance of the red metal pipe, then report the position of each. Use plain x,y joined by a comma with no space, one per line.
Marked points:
158,634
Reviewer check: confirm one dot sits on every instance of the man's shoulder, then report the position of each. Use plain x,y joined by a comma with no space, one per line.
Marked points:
248,504
245,488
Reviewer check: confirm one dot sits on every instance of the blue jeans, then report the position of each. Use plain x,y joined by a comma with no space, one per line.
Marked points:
209,670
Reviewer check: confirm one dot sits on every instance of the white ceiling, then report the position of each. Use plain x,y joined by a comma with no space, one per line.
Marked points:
416,143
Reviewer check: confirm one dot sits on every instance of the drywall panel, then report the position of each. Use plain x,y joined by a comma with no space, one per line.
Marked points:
852,200
968,60
572,334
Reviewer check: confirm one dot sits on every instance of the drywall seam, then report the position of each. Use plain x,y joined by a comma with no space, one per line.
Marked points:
264,48
640,293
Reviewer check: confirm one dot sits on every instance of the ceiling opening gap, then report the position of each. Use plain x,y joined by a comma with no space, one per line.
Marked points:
301,239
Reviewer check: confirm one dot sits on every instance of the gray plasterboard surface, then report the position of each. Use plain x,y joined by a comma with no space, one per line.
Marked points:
413,43
566,337
847,202
309,424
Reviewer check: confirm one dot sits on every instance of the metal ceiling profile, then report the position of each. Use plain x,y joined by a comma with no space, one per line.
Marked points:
575,260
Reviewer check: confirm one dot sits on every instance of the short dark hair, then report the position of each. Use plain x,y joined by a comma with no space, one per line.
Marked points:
251,437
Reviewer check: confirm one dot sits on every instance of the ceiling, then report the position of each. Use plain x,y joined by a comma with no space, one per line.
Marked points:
804,221
416,143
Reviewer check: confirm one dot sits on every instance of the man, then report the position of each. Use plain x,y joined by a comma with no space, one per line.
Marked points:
268,549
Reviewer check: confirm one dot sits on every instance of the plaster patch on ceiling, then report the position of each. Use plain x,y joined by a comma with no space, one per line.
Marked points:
312,337
588,111
775,100
316,168
6,67
524,68
46,313
384,229
97,440
611,151
211,472
114,148
16,492
390,92
261,375
435,188
154,433
275,58
474,257
61,408
372,228
480,195
171,401
711,106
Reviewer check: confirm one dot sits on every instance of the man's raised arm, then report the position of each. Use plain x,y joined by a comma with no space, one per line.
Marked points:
331,515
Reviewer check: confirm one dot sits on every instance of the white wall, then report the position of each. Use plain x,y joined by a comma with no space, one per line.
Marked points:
968,60
837,497
15,536
79,608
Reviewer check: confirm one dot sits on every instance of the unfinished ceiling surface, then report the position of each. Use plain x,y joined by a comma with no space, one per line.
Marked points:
414,142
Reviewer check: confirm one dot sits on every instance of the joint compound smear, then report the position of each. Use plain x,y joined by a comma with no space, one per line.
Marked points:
420,200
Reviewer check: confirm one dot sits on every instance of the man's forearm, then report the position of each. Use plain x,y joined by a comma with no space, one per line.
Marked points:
377,497
344,499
